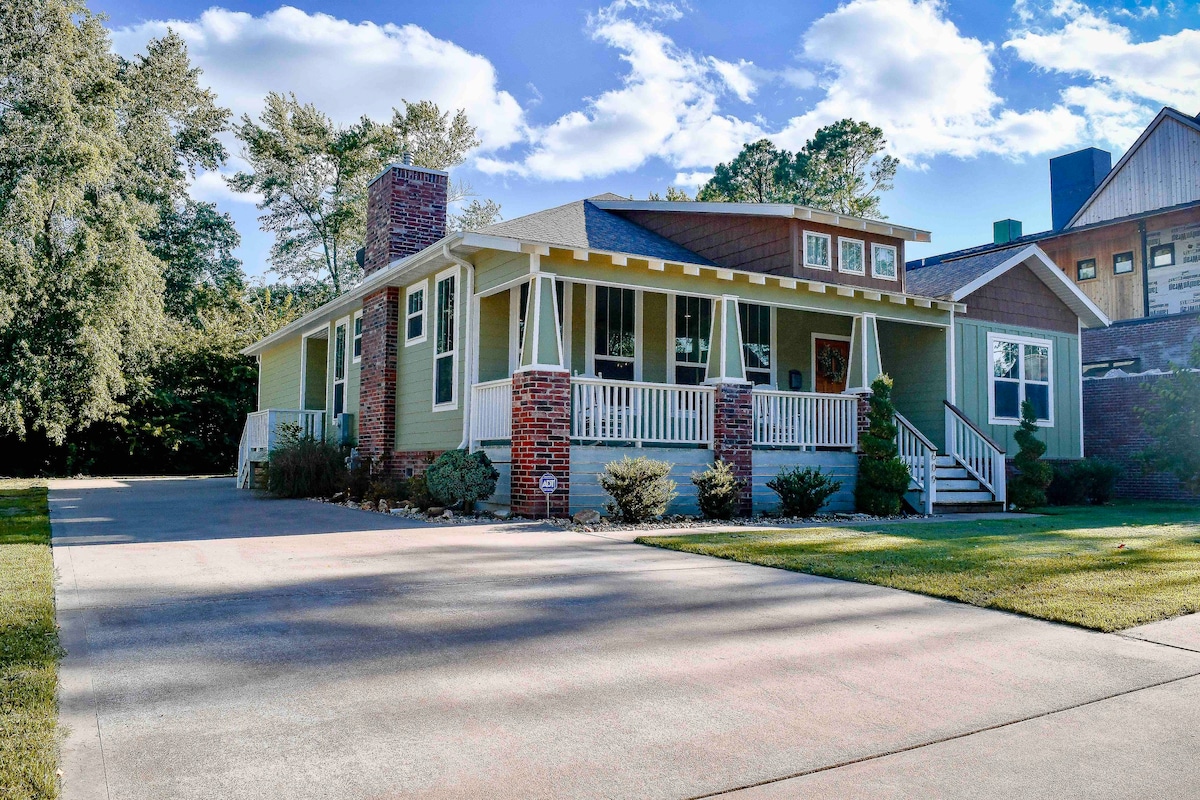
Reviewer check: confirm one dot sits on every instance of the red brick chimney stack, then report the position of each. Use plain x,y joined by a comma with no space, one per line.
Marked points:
406,212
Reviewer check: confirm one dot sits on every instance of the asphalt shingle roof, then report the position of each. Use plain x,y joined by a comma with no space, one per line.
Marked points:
943,279
581,225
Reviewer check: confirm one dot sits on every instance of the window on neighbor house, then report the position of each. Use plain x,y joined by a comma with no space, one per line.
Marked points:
357,337
816,250
445,356
1085,270
414,320
1162,255
883,261
339,369
1020,371
851,256
756,342
1123,263
693,329
615,332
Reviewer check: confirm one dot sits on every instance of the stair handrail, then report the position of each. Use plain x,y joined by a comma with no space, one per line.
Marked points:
979,454
919,454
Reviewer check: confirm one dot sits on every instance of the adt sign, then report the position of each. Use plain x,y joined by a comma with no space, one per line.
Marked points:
548,484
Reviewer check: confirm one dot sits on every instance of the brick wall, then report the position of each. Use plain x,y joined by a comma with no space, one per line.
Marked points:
1157,341
1113,431
733,436
541,441
377,381
407,463
406,212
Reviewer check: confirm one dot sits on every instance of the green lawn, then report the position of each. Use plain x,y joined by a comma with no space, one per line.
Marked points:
29,649
1106,568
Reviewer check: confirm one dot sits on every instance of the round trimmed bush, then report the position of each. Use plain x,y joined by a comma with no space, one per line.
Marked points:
458,477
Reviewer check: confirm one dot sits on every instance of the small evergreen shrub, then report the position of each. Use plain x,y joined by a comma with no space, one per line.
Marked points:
639,488
1091,480
803,490
301,466
358,483
418,492
1028,488
391,489
882,477
458,477
1065,488
718,490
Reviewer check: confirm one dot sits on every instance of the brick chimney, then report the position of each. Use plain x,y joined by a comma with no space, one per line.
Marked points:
406,212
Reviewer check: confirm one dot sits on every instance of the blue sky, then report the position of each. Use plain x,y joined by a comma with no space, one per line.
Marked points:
574,99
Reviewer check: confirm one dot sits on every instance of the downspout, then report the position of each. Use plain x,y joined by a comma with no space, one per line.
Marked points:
468,347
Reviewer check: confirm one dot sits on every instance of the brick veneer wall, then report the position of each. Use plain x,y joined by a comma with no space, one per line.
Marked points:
541,441
377,381
1113,431
407,463
406,212
1157,341
862,421
733,436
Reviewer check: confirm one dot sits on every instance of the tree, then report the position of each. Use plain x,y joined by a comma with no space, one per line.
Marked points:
475,216
195,244
1028,488
882,477
758,174
1173,422
434,139
673,196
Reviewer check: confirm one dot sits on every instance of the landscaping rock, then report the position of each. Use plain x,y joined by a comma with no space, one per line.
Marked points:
366,505
447,514
385,505
589,516
340,497
502,513
435,511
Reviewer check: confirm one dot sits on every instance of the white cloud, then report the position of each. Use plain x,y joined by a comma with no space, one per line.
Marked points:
692,180
347,69
902,65
210,187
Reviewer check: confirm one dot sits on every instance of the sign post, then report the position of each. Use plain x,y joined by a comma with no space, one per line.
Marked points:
549,485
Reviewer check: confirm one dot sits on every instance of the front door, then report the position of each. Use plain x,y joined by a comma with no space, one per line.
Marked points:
831,364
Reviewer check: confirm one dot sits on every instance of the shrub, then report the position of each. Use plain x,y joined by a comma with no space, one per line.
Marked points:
1065,488
418,492
719,490
803,490
1091,480
639,488
457,476
1028,488
882,477
304,467
388,488
358,483
1172,418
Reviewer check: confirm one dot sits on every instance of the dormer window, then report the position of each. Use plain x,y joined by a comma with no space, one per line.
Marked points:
883,261
851,256
816,250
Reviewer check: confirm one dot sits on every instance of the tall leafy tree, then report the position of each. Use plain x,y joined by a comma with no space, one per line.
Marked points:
195,243
475,215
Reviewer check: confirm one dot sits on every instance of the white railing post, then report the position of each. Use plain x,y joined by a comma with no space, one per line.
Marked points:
491,411
640,413
798,419
976,453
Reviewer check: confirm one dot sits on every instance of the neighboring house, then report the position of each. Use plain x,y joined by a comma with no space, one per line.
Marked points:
562,340
1129,237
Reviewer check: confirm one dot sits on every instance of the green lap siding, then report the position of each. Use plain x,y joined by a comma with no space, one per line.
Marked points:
493,337
316,353
1064,438
654,338
793,332
279,375
418,426
914,357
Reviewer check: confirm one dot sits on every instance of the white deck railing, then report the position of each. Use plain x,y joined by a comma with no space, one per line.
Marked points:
491,410
261,433
976,452
631,411
804,419
918,453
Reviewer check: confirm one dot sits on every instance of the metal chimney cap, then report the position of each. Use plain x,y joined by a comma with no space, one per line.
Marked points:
407,159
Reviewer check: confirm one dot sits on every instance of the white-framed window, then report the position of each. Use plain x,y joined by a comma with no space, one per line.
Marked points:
613,332
883,261
445,340
816,250
414,314
758,343
340,342
356,326
688,339
852,256
1021,369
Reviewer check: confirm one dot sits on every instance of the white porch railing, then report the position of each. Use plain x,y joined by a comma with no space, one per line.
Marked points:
918,453
804,419
630,411
976,451
262,431
491,410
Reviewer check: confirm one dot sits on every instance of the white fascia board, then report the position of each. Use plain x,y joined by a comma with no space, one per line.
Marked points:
489,242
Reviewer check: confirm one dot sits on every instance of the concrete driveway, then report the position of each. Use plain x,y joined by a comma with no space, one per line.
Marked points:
225,646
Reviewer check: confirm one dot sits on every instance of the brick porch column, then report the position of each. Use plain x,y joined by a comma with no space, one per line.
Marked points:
541,440
733,436
377,381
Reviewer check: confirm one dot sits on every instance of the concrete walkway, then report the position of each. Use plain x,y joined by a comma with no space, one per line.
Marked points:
225,646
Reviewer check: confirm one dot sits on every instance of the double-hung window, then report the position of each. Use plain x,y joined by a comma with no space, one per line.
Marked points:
414,318
339,369
1021,370
852,256
816,250
756,342
693,328
883,261
615,332
445,339
357,336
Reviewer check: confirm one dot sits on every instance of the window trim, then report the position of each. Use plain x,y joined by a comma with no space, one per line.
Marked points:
590,330
423,287
1132,266
672,363
345,379
1079,270
772,343
829,249
1167,245
862,246
994,337
356,336
452,353
895,261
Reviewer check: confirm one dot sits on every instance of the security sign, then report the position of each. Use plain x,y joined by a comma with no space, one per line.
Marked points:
548,483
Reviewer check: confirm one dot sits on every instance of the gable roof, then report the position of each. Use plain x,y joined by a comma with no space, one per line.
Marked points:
582,225
956,279
1167,114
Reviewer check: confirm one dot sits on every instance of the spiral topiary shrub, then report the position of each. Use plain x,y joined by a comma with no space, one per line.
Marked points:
458,477
1028,488
882,477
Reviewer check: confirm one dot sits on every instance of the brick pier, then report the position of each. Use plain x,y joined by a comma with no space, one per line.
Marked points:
541,440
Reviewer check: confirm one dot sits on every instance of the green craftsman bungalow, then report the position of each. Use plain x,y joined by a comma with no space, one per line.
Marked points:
562,340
